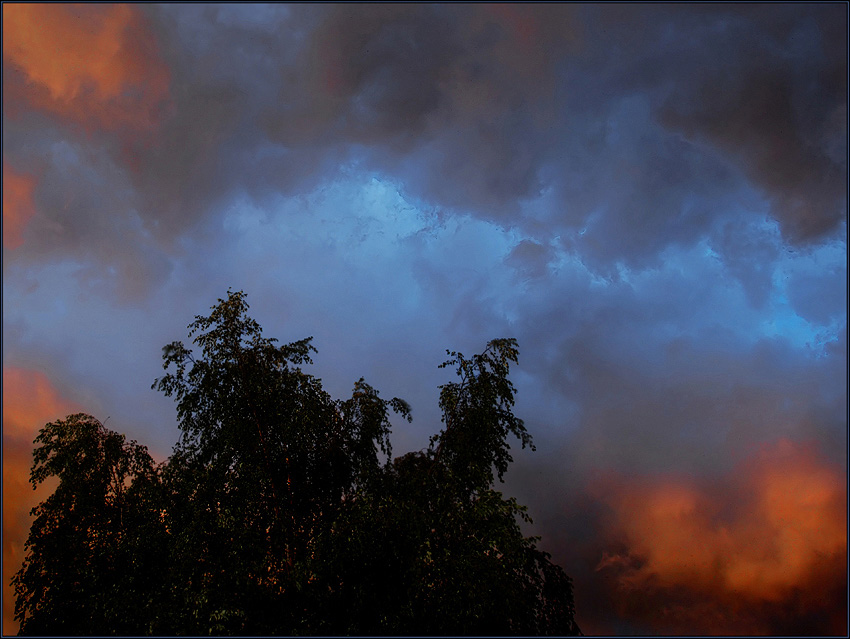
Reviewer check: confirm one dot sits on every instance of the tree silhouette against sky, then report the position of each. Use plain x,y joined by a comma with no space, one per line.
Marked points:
283,511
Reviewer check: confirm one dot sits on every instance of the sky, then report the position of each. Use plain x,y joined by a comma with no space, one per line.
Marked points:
651,198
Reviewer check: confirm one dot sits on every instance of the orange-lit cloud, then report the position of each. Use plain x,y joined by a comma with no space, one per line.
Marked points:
95,64
18,206
29,402
766,548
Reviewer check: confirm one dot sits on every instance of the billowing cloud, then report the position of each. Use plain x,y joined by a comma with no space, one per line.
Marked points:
569,122
776,104
483,108
85,92
454,100
651,199
96,65
78,208
764,551
29,402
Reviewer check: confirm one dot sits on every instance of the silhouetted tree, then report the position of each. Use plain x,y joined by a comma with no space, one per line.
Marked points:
88,539
275,513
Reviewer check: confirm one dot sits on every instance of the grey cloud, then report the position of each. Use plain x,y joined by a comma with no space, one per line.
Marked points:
530,259
87,211
774,103
651,375
752,90
454,102
438,96
750,254
630,189
819,293
482,109
119,203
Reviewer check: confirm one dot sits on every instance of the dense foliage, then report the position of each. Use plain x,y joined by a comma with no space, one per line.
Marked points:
275,513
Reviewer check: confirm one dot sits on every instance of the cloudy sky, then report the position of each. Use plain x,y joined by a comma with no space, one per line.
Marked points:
652,199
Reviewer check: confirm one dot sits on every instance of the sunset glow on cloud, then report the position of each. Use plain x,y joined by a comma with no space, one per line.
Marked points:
772,535
96,64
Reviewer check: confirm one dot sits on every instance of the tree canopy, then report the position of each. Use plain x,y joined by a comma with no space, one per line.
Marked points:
283,511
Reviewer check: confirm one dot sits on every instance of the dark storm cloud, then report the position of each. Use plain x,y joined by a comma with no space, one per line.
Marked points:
478,109
450,99
630,189
530,259
70,124
774,101
649,198
225,64
757,90
481,108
